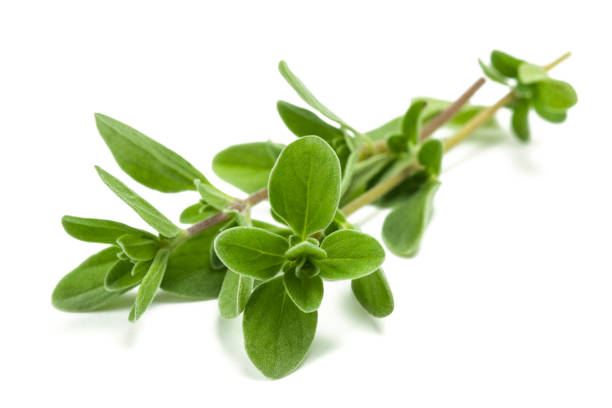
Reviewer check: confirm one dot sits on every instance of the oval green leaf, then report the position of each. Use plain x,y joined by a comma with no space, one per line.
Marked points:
82,289
374,294
306,293
277,334
304,187
350,255
506,64
190,273
530,73
520,120
430,156
247,166
250,251
145,160
555,96
404,226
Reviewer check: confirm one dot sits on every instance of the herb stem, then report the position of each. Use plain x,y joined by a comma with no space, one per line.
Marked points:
220,217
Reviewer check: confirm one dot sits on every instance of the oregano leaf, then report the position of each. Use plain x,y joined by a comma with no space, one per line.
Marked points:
305,292
492,73
145,160
350,255
82,289
234,294
404,226
277,334
250,251
307,96
430,156
124,275
96,230
138,247
302,122
196,213
505,64
150,284
530,73
520,120
189,272
304,186
412,123
247,166
146,211
374,294
554,96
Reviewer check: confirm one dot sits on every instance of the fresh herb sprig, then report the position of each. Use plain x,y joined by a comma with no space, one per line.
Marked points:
275,273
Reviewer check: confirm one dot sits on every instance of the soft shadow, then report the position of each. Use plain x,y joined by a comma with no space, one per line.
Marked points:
321,346
359,315
229,333
479,142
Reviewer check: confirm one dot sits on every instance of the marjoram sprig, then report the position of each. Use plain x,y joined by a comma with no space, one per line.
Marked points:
274,273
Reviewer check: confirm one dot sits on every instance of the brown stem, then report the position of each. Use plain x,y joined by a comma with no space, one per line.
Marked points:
218,218
370,195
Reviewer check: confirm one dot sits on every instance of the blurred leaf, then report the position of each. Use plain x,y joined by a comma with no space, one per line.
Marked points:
520,119
404,226
554,96
492,73
505,64
529,73
430,156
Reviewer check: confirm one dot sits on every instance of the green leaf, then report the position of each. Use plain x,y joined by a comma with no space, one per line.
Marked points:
397,143
520,119
492,73
506,64
82,289
196,213
125,275
150,284
350,255
304,187
302,122
95,230
374,294
413,184
554,96
146,211
234,294
190,273
212,196
412,123
277,334
250,251
550,116
365,172
404,226
530,73
138,247
247,166
430,156
305,249
145,160
306,293
306,95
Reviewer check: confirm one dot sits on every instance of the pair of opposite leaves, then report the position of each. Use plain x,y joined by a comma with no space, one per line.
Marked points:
280,315
534,89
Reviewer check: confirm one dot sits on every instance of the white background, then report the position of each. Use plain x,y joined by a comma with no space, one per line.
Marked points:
509,302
